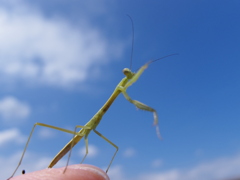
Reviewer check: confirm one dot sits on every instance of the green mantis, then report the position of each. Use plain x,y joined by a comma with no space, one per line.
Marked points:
92,124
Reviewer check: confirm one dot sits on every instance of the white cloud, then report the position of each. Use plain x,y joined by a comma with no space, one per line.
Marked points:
169,175
36,49
92,151
11,135
116,173
130,152
13,109
222,168
157,163
45,132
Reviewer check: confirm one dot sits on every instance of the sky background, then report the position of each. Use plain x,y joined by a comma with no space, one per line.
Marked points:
61,60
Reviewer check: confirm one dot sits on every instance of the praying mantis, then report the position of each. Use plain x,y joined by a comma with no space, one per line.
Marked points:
127,81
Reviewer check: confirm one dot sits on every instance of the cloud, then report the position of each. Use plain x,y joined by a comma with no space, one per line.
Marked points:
13,109
11,135
222,168
92,151
46,133
50,51
157,163
130,152
116,173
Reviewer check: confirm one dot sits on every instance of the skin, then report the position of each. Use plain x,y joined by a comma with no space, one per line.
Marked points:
73,172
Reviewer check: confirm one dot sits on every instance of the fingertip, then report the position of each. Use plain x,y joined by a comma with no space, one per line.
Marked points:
73,172
89,169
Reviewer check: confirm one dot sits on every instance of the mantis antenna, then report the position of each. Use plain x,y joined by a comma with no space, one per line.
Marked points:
132,40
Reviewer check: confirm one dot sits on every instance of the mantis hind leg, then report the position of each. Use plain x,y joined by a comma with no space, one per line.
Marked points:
98,133
86,145
70,152
72,143
29,138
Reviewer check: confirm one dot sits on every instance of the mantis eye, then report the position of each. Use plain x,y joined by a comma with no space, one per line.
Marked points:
128,73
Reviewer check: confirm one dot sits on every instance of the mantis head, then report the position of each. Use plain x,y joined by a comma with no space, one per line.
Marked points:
128,73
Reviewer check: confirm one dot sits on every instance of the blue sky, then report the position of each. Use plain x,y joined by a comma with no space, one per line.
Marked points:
61,60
